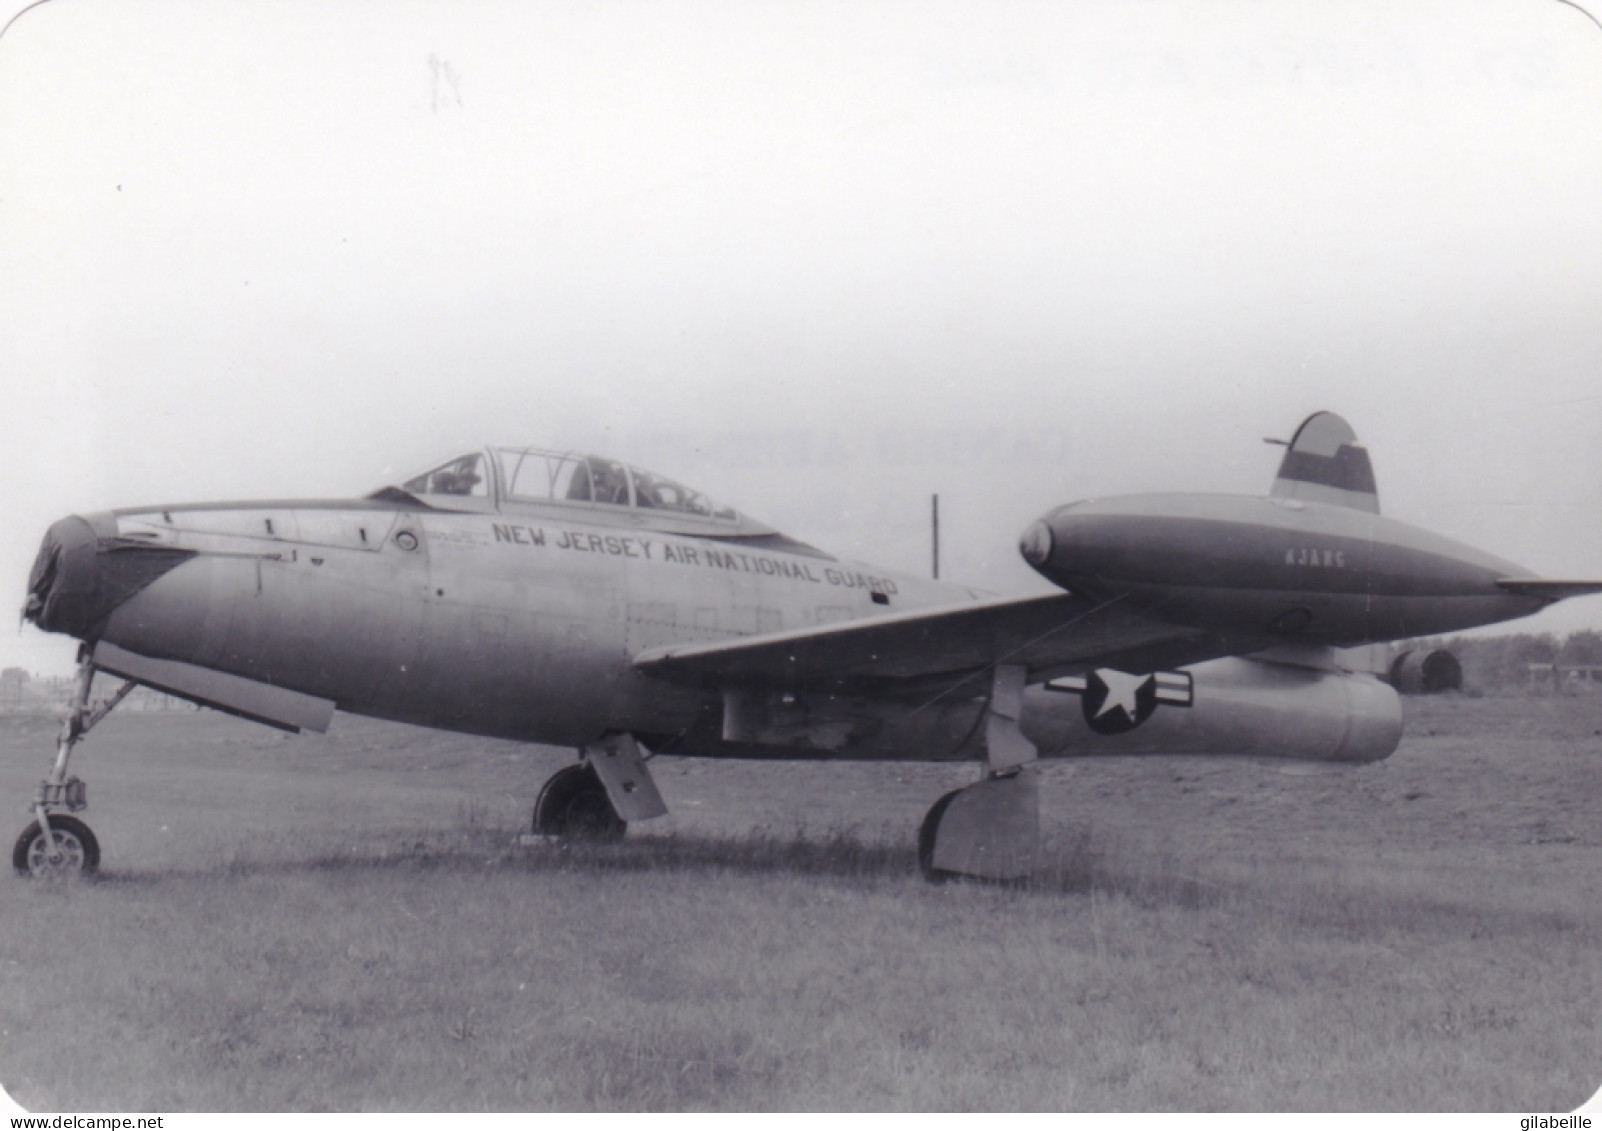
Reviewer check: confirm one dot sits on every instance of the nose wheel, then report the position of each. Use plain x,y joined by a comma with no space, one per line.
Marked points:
70,850
55,844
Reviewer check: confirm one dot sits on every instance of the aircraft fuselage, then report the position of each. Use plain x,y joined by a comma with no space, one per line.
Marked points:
506,624
524,624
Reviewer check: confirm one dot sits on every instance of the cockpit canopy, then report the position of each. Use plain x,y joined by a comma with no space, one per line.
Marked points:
532,475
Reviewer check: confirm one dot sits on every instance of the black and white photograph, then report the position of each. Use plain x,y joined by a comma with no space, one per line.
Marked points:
793,556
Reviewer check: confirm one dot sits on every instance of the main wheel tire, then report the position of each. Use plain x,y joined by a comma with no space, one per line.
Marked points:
928,833
574,805
77,850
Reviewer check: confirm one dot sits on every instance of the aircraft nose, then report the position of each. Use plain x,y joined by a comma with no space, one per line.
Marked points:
65,590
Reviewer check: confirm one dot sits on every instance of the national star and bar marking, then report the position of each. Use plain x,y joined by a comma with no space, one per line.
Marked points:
1105,691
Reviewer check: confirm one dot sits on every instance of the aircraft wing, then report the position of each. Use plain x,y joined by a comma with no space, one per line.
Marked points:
1052,635
1549,590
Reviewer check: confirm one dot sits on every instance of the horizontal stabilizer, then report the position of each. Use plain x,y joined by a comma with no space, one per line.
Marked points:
248,698
1550,590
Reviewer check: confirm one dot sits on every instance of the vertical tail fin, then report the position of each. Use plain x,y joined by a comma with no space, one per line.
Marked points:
1326,464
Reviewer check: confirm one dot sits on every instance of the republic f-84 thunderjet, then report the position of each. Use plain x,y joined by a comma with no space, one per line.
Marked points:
574,600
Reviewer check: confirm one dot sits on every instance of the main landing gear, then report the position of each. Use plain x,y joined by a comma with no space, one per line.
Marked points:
573,806
987,831
596,799
991,829
56,845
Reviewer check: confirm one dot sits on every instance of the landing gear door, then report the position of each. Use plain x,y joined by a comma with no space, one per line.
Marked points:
620,765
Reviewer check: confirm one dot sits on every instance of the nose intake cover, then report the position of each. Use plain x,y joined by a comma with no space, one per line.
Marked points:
84,571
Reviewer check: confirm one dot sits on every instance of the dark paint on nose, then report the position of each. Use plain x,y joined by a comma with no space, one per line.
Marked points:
83,572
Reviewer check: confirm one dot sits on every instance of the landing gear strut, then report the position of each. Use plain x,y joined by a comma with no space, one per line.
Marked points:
991,829
60,845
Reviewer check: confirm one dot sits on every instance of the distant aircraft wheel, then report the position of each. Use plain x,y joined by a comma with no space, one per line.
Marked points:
77,851
574,805
927,833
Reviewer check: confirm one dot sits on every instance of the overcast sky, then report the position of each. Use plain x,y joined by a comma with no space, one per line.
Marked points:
818,260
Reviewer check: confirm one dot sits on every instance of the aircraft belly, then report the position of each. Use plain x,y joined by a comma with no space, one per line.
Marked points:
821,726
1229,707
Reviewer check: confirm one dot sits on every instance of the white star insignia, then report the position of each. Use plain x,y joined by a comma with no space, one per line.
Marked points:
1121,690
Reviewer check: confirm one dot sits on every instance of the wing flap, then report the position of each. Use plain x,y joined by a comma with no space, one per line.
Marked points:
1050,635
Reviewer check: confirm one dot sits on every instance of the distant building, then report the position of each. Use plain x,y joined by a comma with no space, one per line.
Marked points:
1564,674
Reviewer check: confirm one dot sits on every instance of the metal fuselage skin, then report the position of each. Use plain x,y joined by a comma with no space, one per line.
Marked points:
521,622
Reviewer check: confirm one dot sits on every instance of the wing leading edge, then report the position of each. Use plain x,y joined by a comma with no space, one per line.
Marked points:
1051,635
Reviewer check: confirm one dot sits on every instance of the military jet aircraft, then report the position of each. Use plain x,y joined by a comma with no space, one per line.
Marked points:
570,599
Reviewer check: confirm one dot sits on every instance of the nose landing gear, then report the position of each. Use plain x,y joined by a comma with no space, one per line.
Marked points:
58,845
69,848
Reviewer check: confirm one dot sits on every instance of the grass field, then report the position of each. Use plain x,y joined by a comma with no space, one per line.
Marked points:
343,922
